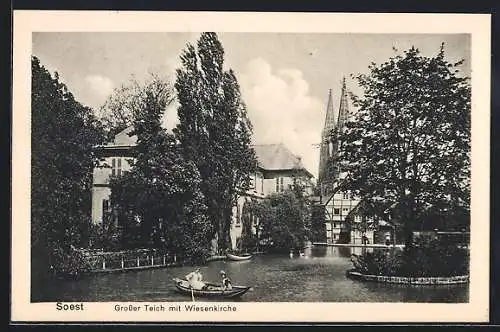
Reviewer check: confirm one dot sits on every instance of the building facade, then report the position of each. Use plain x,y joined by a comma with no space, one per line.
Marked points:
337,208
366,226
278,170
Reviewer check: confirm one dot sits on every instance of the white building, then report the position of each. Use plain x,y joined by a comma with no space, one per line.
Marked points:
115,160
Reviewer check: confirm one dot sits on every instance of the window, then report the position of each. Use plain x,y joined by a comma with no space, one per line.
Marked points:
262,185
116,167
105,208
279,185
336,211
334,225
252,183
238,216
345,195
119,169
345,209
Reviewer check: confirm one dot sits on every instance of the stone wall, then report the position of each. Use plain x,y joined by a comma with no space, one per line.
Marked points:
409,280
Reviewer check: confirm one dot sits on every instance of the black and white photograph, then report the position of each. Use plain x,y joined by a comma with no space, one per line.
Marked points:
200,170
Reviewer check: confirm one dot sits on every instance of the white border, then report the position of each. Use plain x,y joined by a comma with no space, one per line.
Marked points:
478,25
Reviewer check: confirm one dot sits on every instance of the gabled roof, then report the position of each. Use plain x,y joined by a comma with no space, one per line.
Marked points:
274,157
124,139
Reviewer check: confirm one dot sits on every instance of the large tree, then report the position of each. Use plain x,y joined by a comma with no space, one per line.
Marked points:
408,145
214,130
284,219
161,191
63,136
118,110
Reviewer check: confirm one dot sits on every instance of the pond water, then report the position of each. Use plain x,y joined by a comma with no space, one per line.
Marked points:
319,276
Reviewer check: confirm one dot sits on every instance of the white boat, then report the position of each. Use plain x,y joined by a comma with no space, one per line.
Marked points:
243,257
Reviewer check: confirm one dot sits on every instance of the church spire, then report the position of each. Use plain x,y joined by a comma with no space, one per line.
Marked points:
344,107
330,115
329,168
328,127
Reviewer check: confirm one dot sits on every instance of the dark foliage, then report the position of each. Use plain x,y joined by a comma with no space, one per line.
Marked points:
284,220
64,134
318,231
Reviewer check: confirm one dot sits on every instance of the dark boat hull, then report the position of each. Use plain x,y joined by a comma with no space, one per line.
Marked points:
213,291
238,258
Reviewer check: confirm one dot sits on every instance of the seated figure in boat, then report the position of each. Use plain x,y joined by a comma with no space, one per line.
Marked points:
195,280
226,282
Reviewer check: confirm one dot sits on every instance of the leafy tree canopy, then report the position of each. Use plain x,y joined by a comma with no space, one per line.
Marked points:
118,111
284,219
408,145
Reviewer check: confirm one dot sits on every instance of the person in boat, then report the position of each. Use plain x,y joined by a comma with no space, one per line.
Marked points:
195,280
226,282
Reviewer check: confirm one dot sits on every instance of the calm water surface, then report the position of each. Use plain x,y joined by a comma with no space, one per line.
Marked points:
317,277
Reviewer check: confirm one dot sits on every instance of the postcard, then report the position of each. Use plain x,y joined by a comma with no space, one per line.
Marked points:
250,167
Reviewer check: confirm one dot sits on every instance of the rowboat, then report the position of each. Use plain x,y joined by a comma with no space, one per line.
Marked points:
212,291
238,257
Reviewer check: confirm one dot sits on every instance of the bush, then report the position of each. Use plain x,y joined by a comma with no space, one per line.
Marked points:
428,258
71,264
104,235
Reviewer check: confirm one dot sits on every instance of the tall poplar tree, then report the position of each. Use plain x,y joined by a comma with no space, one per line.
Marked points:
214,130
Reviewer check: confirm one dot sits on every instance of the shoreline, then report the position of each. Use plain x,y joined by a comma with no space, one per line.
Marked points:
324,244
418,281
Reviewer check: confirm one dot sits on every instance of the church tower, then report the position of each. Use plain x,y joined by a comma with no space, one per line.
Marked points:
344,107
326,145
329,170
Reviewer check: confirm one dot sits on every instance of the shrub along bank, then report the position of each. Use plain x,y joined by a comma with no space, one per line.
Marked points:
427,258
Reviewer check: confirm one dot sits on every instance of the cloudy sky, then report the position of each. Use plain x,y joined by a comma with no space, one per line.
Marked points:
284,78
